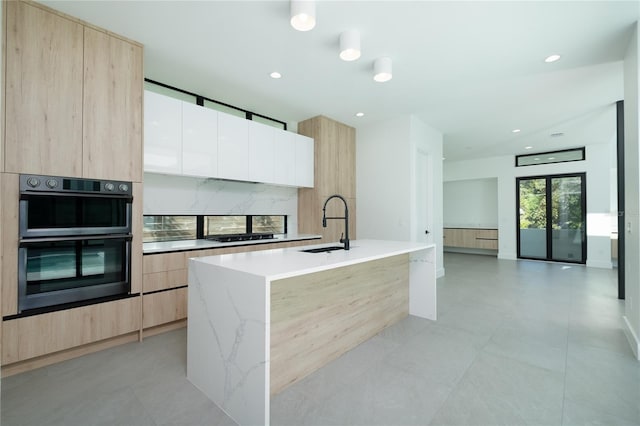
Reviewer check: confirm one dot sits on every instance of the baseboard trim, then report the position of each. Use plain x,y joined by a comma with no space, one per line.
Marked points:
602,264
507,256
634,342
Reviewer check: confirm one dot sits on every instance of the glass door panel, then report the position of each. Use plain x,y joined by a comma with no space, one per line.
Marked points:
532,222
567,219
552,218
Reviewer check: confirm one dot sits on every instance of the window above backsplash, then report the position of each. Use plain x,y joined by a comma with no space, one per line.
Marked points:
176,227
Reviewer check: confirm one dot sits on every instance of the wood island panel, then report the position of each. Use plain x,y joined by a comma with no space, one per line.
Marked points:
346,306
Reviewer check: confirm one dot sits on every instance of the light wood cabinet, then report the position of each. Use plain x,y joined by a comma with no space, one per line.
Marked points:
474,238
44,73
164,307
112,109
334,173
9,205
74,97
37,335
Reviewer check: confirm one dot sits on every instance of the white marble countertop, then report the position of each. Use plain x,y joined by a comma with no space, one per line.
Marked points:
289,262
184,245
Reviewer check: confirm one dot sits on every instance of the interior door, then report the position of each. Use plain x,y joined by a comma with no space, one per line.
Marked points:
552,218
424,198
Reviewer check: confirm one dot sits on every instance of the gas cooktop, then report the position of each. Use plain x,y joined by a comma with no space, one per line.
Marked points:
239,237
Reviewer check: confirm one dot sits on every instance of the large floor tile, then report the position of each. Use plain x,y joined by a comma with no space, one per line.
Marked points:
500,391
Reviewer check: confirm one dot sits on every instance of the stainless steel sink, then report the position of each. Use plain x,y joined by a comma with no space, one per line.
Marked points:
323,249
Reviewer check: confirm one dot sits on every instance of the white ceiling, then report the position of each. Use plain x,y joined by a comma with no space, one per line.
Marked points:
473,70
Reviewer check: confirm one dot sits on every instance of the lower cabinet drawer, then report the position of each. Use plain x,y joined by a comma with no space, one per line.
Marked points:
164,307
29,337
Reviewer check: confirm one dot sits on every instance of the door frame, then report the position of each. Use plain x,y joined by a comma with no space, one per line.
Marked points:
549,230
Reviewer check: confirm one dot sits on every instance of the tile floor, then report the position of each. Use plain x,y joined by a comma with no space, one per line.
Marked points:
516,343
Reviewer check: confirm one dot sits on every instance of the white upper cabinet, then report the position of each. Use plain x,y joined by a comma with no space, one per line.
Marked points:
183,138
199,140
304,161
233,147
261,153
284,158
162,134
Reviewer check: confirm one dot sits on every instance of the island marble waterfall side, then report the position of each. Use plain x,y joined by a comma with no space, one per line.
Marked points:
230,350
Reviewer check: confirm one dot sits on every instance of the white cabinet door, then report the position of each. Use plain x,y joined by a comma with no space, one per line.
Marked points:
162,134
285,158
261,152
304,161
199,141
233,147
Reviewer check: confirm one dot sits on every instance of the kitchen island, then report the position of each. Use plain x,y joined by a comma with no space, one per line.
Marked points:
260,321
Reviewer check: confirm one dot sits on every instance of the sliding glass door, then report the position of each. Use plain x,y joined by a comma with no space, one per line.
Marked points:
552,217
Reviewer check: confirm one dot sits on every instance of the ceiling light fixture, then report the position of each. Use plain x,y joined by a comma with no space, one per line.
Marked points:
303,14
359,114
382,69
275,74
528,147
552,58
350,45
515,131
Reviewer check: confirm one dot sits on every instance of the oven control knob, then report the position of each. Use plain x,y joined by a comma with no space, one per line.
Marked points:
123,187
109,186
33,182
52,183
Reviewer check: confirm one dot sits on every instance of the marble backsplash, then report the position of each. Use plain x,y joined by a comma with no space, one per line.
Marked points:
182,195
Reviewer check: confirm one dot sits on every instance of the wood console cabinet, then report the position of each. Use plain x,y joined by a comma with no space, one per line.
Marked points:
73,97
335,173
474,238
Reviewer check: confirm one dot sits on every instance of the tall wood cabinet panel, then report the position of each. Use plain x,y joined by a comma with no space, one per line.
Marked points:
334,158
112,119
9,205
43,92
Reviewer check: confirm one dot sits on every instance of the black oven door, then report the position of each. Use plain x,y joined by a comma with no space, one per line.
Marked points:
61,214
59,271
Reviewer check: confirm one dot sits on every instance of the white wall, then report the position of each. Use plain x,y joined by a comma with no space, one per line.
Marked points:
599,215
632,190
177,195
385,180
482,194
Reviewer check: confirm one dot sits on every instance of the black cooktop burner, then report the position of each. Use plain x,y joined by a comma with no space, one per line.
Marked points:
239,237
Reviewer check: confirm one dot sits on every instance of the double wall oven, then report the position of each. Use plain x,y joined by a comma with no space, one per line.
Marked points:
75,240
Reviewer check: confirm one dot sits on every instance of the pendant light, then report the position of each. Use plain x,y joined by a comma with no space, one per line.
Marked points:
303,14
382,69
350,45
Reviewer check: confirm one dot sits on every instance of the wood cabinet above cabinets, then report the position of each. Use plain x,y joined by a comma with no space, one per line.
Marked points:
43,92
182,138
73,97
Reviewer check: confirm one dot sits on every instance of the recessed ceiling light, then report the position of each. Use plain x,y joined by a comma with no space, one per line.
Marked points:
552,158
515,131
528,147
551,58
275,74
359,114
557,135
537,158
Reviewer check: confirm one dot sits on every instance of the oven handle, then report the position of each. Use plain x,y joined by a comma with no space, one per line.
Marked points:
26,241
28,195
